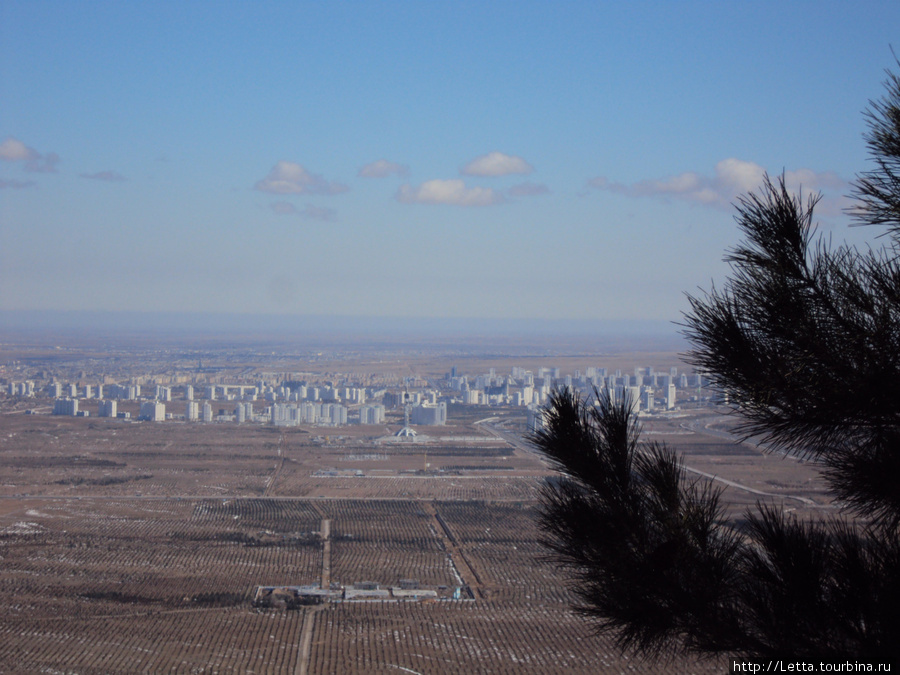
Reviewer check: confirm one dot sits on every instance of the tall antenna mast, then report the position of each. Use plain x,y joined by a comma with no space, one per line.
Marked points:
407,431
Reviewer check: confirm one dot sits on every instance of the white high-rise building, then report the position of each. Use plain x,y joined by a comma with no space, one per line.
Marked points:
647,399
633,398
244,412
473,397
66,406
107,408
192,411
338,415
54,389
281,415
207,412
356,395
670,397
153,411
430,414
189,392
371,414
535,418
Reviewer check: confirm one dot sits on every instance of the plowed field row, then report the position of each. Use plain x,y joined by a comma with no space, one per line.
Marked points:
124,586
462,488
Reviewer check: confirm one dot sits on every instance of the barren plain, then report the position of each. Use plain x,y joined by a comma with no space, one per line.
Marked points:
132,547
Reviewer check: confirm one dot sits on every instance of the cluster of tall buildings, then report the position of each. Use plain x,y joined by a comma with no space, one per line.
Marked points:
129,392
288,415
646,388
330,403
25,388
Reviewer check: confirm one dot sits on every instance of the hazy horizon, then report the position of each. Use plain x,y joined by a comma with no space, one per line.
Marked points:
358,331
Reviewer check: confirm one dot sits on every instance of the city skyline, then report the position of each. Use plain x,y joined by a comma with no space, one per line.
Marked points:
509,160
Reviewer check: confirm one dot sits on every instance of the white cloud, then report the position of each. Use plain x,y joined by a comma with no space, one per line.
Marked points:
684,183
528,190
496,164
14,150
109,176
289,178
730,179
382,169
736,176
453,191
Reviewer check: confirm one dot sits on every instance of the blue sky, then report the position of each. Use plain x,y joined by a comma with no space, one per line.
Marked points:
544,160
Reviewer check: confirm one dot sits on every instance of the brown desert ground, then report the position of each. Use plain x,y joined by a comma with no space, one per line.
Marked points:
138,547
